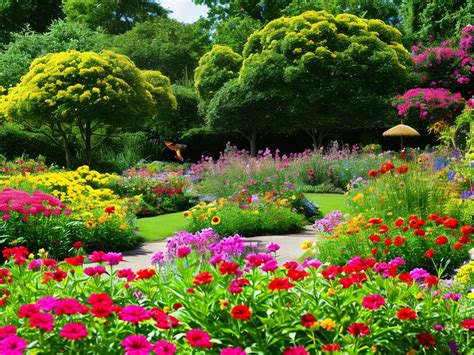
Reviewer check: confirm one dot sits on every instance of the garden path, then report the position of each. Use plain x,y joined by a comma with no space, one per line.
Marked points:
139,258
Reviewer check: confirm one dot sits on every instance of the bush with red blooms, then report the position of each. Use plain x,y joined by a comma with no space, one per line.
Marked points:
437,243
218,300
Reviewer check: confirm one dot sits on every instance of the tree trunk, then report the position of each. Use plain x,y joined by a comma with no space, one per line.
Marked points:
88,143
253,144
67,152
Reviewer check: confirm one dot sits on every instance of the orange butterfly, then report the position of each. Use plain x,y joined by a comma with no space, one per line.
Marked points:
176,148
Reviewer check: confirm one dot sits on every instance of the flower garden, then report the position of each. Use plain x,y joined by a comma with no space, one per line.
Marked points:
124,139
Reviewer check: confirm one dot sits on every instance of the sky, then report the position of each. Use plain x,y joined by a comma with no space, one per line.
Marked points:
184,10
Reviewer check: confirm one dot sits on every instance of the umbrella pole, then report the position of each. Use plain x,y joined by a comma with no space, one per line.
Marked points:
401,143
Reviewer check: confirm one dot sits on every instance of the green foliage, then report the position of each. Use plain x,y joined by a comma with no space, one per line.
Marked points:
113,16
216,67
81,94
164,44
439,19
35,15
26,46
235,31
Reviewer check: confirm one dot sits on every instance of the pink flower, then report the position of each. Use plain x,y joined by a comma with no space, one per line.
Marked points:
373,301
95,271
42,321
199,338
113,258
296,350
163,347
12,345
136,345
5,216
183,251
233,351
74,331
134,314
97,256
7,331
273,247
126,274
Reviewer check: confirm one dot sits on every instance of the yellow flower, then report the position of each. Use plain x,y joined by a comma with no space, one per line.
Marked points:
307,244
223,304
256,212
123,226
293,197
166,309
330,292
31,256
328,324
215,220
411,352
103,219
90,224
470,295
419,296
186,214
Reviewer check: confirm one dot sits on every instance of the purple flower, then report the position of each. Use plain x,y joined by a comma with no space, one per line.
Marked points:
452,296
419,273
438,327
270,265
183,251
273,247
113,258
158,258
312,263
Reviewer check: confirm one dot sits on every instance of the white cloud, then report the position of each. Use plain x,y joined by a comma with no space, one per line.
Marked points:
184,10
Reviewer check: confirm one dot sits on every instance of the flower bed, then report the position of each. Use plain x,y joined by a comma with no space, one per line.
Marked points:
206,296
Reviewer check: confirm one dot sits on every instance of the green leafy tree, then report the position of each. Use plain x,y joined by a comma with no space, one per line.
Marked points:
36,15
235,31
166,45
114,16
186,116
435,18
216,67
26,46
81,96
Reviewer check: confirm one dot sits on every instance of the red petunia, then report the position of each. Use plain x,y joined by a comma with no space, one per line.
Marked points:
241,312
358,329
331,347
280,283
373,301
374,238
308,320
406,313
399,241
426,339
429,253
203,278
468,324
441,240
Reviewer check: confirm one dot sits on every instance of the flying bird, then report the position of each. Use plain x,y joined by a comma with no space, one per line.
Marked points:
177,148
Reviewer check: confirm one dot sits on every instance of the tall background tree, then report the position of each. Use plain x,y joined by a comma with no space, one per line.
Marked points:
82,97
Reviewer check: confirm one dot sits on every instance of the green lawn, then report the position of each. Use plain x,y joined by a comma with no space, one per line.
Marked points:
164,226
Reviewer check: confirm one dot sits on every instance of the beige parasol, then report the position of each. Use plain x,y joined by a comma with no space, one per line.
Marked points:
401,131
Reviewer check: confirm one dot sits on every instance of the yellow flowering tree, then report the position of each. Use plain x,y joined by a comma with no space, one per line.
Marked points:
82,97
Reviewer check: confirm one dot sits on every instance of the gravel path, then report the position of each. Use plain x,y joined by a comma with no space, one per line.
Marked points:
139,258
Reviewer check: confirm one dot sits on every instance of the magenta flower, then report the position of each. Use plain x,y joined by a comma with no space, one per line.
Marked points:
95,271
136,345
134,314
113,258
233,351
74,331
373,301
199,338
97,256
183,251
7,331
163,347
273,247
296,350
12,345
42,321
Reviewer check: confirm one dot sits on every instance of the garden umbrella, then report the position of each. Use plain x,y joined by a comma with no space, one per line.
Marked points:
401,131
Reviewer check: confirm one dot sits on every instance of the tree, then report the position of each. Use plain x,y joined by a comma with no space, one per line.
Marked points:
26,46
114,16
436,19
186,117
166,45
235,31
82,96
35,15
216,67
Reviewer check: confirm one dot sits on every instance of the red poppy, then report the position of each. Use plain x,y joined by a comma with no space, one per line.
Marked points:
467,229
405,277
296,274
373,251
386,167
419,233
451,223
399,222
458,245
144,274
464,239
280,283
399,241
375,221
109,209
429,253
426,339
383,229
358,329
308,320
406,313
374,238
402,169
373,173
331,347
441,240
241,312
203,278
387,242
75,260
468,324
431,280
226,268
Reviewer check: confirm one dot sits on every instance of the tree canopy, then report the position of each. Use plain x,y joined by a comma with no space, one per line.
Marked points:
235,31
82,96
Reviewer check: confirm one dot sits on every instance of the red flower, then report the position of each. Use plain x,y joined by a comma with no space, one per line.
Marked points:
296,350
296,274
419,233
383,229
199,338
468,324
399,222
280,283
431,280
388,241
399,241
441,240
405,277
451,223
374,238
373,251
144,274
77,245
241,312
373,173
331,347
74,331
75,260
346,282
375,221
358,329
425,339
429,253
467,229
373,301
308,320
402,169
57,275
458,245
177,306
433,217
464,239
406,313
203,278
109,209
226,268
331,271
43,321
101,310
